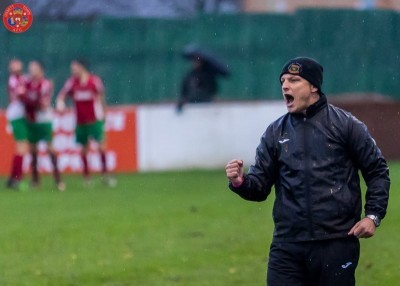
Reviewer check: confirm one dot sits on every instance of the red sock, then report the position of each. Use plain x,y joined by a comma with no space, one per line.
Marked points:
85,165
16,170
56,172
35,172
103,162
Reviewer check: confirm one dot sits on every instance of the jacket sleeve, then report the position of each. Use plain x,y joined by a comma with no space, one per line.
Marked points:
262,175
374,169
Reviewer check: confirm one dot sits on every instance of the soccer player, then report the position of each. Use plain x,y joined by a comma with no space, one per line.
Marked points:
87,93
16,118
313,155
39,115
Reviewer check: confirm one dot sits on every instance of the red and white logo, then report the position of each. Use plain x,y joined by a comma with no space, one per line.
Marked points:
17,18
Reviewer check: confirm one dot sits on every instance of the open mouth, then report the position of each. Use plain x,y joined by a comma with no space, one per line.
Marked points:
289,98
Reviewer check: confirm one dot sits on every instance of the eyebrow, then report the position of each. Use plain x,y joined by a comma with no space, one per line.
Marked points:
291,77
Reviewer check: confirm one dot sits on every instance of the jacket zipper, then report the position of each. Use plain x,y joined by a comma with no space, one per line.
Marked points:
307,180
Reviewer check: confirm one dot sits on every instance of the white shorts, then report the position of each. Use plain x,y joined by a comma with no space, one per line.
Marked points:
44,116
15,110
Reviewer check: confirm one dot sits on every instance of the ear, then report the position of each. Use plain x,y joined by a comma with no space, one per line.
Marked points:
314,89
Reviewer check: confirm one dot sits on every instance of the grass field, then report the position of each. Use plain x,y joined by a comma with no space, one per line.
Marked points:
174,228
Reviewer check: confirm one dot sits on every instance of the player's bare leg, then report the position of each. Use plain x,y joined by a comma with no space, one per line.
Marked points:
16,174
106,177
56,172
102,151
34,166
86,173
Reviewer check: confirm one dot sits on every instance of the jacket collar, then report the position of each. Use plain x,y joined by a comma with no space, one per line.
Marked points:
314,108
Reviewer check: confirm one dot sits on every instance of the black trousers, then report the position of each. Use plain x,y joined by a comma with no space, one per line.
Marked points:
313,263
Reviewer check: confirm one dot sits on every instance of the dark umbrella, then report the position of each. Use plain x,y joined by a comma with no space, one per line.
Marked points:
209,58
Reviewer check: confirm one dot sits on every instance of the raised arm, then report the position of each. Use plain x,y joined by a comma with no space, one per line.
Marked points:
61,97
257,183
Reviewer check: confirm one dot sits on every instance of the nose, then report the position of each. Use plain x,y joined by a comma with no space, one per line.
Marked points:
285,85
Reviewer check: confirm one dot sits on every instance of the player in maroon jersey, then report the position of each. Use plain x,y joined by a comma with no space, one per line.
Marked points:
39,115
87,92
16,118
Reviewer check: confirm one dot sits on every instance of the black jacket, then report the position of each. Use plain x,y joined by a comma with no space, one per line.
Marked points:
199,85
313,160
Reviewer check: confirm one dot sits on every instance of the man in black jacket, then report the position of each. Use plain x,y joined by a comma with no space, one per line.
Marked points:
312,156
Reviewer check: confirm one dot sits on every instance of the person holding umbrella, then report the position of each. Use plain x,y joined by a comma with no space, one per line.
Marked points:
200,83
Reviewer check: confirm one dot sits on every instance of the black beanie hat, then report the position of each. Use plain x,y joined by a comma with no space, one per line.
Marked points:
307,68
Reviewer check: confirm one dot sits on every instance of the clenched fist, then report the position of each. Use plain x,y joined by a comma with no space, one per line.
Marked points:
234,172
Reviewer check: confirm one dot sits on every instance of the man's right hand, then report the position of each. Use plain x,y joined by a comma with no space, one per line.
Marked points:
234,172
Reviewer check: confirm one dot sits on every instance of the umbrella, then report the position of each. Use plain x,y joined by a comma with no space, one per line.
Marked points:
208,57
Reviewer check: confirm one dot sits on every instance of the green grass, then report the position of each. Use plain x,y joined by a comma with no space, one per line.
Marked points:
173,228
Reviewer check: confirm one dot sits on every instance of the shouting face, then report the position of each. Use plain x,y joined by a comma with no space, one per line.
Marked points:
298,93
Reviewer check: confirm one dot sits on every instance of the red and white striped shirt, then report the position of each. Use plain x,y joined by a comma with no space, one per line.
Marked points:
86,97
37,97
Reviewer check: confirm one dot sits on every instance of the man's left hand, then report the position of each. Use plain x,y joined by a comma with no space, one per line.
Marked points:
365,228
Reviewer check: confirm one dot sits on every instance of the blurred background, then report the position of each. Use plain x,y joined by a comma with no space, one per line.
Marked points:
135,45
127,41
136,48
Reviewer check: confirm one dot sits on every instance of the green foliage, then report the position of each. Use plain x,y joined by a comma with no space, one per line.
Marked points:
173,228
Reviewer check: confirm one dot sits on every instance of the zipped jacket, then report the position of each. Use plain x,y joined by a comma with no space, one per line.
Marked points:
313,161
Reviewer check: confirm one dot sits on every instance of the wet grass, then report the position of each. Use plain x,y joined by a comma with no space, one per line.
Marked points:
173,228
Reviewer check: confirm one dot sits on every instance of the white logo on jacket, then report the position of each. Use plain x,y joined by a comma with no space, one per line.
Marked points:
283,140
